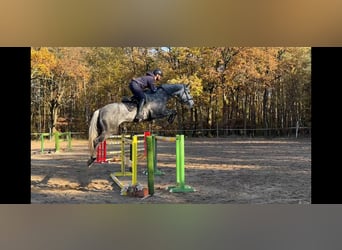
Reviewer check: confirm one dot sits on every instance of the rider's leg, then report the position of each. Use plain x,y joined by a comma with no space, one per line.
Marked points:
139,94
139,115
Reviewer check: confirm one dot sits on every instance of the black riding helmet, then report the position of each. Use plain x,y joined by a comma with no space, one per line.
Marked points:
157,72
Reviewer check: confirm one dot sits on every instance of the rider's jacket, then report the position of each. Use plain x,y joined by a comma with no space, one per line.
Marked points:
146,81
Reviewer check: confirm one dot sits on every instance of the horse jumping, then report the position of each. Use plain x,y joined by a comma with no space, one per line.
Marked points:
106,120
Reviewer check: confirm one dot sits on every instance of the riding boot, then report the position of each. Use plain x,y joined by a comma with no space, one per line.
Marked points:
139,115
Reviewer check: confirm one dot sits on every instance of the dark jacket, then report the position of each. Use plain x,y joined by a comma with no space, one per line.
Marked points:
146,81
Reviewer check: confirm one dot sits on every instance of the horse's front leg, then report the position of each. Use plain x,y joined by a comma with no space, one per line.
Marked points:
172,116
170,113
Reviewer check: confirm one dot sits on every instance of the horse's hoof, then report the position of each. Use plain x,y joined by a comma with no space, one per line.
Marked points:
91,161
138,119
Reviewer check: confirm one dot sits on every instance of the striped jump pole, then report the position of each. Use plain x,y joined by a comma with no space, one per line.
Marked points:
101,152
117,140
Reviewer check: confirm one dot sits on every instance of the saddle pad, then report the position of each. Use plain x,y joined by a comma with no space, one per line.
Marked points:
130,105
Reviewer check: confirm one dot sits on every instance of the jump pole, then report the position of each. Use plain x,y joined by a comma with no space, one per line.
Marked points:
180,169
101,152
154,145
42,141
57,137
134,160
150,163
57,140
134,163
146,133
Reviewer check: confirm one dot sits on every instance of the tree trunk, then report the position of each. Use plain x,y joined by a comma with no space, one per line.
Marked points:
265,100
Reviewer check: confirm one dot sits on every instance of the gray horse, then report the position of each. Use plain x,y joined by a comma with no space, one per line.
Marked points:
106,120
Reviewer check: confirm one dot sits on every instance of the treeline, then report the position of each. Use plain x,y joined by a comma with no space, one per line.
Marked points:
248,88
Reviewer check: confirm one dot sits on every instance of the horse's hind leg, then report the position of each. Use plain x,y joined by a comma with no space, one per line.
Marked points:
97,142
101,138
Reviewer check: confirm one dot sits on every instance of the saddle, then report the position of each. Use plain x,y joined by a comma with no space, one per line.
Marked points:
130,102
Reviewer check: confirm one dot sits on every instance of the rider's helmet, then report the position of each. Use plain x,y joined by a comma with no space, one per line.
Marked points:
157,72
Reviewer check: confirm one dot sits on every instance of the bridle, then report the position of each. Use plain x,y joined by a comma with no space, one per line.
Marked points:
188,98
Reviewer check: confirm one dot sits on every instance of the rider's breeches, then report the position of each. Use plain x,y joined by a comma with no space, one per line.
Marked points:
136,90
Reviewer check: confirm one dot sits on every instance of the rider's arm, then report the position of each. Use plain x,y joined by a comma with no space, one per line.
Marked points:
151,85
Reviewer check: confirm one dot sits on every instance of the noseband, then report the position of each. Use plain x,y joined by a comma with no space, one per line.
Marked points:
186,95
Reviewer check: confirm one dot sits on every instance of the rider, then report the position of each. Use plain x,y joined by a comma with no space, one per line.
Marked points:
139,84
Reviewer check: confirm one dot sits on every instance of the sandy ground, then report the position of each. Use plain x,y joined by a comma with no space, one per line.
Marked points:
220,170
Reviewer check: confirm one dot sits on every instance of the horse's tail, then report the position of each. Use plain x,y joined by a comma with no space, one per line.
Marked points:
93,131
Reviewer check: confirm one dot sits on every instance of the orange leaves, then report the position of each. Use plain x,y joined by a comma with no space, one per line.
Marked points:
43,62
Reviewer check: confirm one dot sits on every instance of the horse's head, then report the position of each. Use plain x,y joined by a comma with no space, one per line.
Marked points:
180,91
186,97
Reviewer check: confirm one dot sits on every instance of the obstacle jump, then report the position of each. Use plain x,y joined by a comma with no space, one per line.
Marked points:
102,150
180,186
57,136
134,188
133,173
150,143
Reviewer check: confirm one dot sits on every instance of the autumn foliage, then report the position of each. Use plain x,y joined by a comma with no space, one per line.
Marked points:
244,90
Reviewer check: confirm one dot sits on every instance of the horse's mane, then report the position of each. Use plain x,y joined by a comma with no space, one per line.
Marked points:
169,87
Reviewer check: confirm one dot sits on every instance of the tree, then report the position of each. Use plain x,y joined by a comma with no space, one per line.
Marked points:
56,72
233,87
43,63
